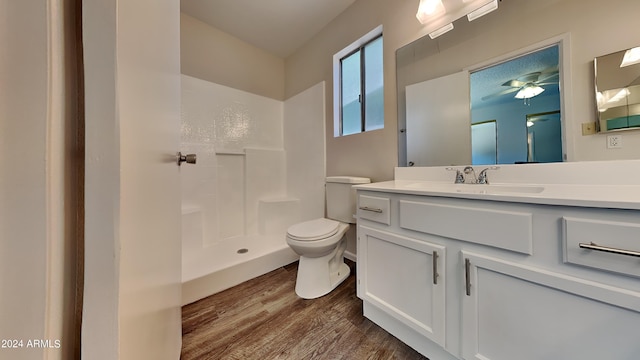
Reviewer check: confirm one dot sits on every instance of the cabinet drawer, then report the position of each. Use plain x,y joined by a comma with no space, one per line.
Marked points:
374,208
606,245
501,228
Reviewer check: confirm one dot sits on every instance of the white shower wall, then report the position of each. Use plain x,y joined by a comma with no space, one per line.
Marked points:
260,168
226,128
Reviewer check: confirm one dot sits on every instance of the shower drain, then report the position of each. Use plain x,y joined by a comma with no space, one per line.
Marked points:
242,251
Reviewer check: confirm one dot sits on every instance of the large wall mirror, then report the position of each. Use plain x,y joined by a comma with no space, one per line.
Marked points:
617,80
504,111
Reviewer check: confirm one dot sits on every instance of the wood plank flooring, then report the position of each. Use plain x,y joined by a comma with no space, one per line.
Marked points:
264,319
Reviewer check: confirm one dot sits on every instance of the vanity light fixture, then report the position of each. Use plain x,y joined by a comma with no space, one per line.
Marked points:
631,57
483,10
429,9
529,91
438,16
442,30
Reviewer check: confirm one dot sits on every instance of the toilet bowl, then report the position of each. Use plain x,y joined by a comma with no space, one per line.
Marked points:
321,244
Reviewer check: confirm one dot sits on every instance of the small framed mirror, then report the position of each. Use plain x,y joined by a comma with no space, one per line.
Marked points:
617,82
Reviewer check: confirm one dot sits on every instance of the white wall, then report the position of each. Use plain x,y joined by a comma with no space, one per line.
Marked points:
132,88
304,130
210,54
371,154
37,212
102,255
23,216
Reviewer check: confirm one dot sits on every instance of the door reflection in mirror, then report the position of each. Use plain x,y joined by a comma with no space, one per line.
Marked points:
543,137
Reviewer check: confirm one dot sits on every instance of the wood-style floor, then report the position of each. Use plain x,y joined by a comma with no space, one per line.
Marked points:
264,319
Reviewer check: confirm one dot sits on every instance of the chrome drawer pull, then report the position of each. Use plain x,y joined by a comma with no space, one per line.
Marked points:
435,267
467,276
375,210
594,246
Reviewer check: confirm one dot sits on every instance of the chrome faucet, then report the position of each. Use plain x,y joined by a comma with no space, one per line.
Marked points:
482,178
461,176
469,170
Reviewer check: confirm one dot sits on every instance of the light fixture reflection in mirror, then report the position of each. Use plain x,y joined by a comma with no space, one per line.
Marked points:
529,91
631,57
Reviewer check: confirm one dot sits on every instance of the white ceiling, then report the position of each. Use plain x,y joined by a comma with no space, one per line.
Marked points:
277,26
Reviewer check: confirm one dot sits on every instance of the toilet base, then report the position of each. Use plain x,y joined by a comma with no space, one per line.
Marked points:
319,276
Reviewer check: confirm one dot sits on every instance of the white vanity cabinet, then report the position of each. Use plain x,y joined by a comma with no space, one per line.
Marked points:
525,312
405,277
513,279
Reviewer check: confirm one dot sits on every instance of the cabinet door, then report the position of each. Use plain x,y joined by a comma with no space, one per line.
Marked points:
405,278
511,311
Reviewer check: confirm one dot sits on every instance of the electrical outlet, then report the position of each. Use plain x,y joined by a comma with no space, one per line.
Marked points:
614,141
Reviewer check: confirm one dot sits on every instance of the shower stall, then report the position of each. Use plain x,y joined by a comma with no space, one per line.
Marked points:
260,169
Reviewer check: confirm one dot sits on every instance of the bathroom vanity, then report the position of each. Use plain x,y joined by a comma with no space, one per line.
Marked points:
546,267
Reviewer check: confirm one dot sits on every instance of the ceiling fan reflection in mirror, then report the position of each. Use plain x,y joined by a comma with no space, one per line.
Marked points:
529,85
523,77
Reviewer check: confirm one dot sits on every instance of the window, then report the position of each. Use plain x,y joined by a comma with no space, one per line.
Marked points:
359,86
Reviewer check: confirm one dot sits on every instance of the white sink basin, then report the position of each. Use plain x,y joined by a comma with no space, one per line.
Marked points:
477,188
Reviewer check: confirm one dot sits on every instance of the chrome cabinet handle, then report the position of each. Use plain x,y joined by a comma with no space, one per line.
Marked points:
594,246
188,158
435,268
375,210
467,275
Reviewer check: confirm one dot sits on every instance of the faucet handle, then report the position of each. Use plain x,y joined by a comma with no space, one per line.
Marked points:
482,177
459,175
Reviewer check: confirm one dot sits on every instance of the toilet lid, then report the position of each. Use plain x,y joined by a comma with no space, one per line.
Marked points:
314,229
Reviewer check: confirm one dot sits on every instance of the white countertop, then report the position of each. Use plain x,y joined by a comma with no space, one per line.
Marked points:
584,195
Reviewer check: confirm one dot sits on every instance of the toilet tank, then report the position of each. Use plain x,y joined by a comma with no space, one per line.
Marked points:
341,197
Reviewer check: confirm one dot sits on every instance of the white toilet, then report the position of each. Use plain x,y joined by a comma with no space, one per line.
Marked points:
321,242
